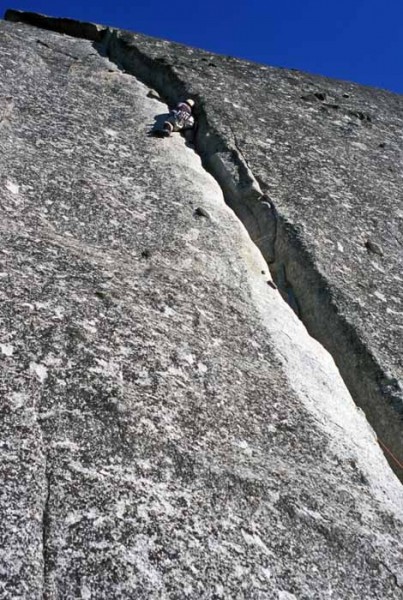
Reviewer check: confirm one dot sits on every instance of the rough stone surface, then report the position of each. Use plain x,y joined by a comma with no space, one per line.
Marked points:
169,428
326,156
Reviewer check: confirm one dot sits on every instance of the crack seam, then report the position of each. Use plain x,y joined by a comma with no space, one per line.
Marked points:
41,43
45,532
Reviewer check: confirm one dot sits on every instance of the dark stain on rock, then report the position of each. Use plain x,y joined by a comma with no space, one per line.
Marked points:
314,96
362,116
373,247
201,212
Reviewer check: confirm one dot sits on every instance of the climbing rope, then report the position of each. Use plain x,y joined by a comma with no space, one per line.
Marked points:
399,464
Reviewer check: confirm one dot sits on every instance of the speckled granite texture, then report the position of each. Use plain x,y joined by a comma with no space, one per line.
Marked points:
312,168
327,156
169,429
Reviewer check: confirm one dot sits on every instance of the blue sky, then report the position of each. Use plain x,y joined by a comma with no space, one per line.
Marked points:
359,40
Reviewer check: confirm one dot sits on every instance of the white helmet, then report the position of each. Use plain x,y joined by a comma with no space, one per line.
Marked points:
190,102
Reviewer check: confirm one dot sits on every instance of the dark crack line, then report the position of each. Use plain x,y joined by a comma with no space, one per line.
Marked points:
238,149
278,271
392,573
237,146
387,568
41,43
45,532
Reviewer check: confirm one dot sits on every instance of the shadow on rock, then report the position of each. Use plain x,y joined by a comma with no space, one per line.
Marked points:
156,129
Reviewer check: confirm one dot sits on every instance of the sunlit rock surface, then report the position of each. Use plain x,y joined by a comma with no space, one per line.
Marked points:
327,155
169,428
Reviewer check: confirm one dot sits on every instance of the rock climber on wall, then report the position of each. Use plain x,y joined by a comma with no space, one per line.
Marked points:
180,118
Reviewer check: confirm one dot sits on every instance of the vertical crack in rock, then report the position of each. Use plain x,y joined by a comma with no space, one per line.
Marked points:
282,246
45,531
292,266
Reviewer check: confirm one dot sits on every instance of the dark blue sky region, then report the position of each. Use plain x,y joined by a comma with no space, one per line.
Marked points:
358,40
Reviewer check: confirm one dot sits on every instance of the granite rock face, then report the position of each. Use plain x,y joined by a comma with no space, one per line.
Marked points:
169,427
312,168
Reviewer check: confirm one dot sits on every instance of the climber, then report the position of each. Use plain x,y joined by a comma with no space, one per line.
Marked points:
180,118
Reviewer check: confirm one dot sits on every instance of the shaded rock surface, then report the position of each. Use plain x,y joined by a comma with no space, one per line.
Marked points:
169,428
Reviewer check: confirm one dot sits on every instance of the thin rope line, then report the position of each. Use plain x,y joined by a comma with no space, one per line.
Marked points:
390,453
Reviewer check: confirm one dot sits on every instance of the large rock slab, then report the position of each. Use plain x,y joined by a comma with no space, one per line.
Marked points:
170,429
312,168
